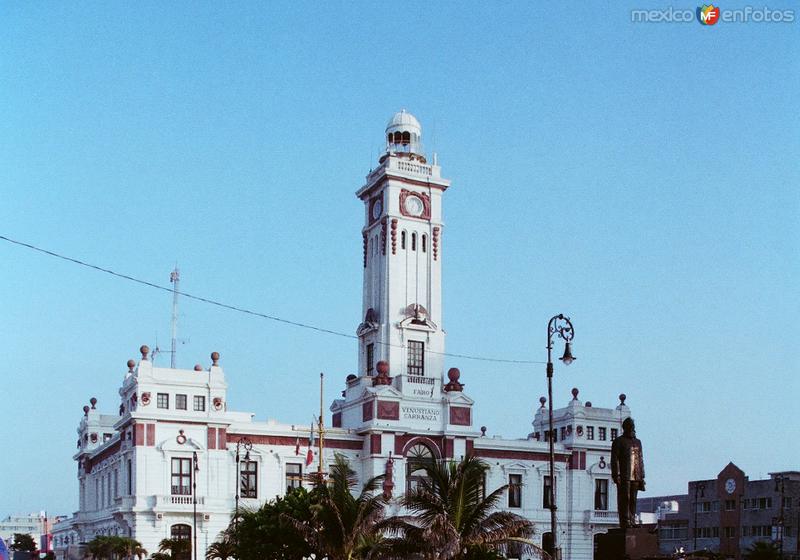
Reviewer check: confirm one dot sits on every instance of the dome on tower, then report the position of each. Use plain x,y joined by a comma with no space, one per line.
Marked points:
403,121
404,135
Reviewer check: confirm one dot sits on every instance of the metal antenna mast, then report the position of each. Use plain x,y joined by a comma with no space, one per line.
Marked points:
174,278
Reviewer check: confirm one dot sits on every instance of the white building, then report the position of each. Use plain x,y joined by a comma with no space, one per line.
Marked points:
136,471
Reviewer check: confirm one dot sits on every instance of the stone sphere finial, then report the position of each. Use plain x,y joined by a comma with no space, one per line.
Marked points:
198,367
131,365
93,402
622,398
214,358
542,400
574,393
85,410
588,404
145,350
483,431
453,374
382,367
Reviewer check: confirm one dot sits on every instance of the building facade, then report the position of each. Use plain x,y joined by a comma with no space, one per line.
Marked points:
175,447
729,513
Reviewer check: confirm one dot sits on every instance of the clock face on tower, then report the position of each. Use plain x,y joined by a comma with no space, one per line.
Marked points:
730,486
414,206
377,209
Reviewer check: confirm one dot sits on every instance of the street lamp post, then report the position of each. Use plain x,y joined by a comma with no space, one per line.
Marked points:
194,503
561,326
247,445
698,487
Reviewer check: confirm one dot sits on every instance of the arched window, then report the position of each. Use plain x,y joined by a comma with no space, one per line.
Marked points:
389,137
406,138
417,455
424,243
182,532
403,240
413,241
398,138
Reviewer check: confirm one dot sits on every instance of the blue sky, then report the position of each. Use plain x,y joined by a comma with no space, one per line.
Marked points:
641,178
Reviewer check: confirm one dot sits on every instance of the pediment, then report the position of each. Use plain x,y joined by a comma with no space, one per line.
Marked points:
515,466
171,444
458,398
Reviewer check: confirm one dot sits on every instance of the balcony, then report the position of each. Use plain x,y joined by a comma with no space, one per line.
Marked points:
177,502
602,516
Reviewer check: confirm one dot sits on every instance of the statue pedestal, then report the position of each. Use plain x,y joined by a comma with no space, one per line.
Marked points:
628,544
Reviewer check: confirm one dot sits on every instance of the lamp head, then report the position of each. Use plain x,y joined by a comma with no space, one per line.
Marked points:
567,358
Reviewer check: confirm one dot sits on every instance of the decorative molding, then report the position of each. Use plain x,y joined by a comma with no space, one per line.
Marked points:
367,411
388,410
460,416
436,231
394,236
426,204
383,236
364,236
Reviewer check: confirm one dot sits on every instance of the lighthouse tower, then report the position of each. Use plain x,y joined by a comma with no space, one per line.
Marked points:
400,386
402,237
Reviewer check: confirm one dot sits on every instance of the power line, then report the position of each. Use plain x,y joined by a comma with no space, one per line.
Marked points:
242,309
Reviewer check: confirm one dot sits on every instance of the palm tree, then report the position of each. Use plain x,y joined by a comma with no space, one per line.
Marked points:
451,518
222,549
342,526
178,548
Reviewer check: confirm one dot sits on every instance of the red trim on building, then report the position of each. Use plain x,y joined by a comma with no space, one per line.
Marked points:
336,420
470,447
291,441
366,411
388,410
402,443
212,438
460,416
518,454
222,438
375,444
138,434
151,435
448,447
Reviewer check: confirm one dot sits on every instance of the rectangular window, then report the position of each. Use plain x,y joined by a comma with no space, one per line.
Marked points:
181,477
514,490
589,432
199,403
730,532
730,505
416,357
601,434
130,478
614,434
180,402
787,502
546,492
248,479
162,400
294,476
601,494
370,359
563,433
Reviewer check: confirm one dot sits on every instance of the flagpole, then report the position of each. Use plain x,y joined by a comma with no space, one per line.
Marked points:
321,432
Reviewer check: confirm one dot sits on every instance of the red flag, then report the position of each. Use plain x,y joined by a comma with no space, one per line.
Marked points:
310,454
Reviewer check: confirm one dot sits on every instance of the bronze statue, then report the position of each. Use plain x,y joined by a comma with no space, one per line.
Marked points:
627,470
